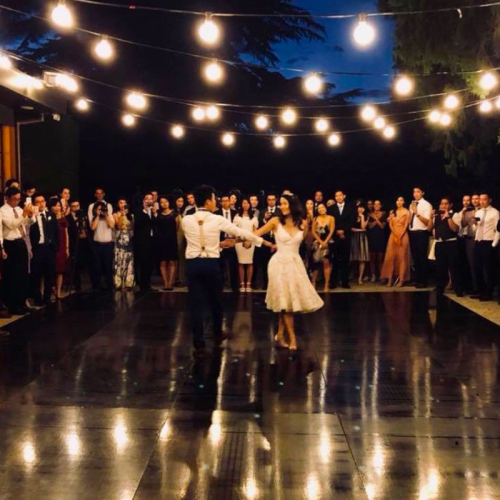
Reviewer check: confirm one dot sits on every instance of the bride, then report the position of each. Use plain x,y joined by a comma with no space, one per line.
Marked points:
290,290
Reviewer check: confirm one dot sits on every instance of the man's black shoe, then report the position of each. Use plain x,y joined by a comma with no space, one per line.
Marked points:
346,286
485,298
460,294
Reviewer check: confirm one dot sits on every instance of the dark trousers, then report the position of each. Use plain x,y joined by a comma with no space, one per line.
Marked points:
80,260
484,265
419,244
43,266
147,260
257,266
229,260
204,280
470,244
341,258
102,265
447,265
15,274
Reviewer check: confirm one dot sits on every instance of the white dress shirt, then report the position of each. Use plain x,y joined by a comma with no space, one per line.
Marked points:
14,228
213,225
487,224
424,209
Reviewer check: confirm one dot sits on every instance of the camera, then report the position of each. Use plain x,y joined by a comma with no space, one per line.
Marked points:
477,219
470,208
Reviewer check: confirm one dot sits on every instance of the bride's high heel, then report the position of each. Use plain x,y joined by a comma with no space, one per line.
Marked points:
280,342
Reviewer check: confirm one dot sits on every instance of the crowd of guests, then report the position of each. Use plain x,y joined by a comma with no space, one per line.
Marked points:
48,242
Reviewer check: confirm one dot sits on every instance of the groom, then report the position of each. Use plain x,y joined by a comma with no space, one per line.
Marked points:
202,231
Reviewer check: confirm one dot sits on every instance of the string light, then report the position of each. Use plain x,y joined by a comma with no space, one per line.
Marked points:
209,31
228,139
177,131
66,82
488,81
82,104
213,113
497,103
213,72
364,33
62,16
5,62
334,139
434,116
313,84
136,100
128,120
486,107
445,120
404,86
261,122
279,142
379,123
389,132
104,50
368,113
451,101
321,125
199,114
23,81
289,116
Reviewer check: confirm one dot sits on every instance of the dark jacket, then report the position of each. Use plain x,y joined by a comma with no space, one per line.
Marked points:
145,228
262,222
233,214
347,220
73,230
51,236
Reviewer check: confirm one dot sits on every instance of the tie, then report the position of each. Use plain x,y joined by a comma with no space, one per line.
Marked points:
21,228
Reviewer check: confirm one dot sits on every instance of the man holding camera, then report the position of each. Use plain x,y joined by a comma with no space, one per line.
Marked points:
145,241
79,244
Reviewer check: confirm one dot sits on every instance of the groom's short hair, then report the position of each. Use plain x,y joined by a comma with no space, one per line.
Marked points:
202,194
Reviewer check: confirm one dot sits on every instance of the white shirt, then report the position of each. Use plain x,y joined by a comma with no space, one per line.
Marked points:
424,209
12,226
487,225
102,233
213,226
189,207
457,219
341,207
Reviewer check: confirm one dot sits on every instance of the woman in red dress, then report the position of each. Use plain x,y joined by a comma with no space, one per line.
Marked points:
62,254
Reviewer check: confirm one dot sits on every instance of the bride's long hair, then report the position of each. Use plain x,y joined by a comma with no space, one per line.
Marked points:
296,210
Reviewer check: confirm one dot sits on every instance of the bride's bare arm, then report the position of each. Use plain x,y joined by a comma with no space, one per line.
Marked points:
272,225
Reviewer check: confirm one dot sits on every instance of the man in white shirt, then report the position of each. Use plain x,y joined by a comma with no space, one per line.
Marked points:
467,234
202,231
420,210
15,222
99,196
228,257
484,252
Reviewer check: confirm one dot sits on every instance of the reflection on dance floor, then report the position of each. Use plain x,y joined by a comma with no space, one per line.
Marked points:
390,396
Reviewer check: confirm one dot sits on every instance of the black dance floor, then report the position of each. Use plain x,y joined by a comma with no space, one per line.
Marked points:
391,396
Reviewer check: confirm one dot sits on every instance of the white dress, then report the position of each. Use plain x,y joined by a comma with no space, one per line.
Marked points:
245,255
289,288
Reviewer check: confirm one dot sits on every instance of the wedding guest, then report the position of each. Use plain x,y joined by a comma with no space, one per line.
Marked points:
146,241
168,223
234,203
12,183
99,195
487,219
360,251
27,193
254,202
469,227
323,229
245,219
44,235
190,207
308,234
15,222
179,205
377,240
370,204
228,258
156,202
181,245
64,196
62,254
318,199
345,219
123,261
79,244
419,236
397,255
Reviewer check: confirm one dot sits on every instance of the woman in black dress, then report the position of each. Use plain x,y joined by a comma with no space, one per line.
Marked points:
377,239
167,223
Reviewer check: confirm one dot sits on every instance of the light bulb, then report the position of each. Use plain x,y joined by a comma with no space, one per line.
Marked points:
262,122
279,142
364,34
334,139
289,116
62,16
488,81
486,107
128,120
497,103
445,120
177,131
213,113
228,139
313,84
5,62
199,114
82,104
213,72
434,116
104,50
209,32
322,125
379,123
404,86
389,132
66,82
451,101
136,100
368,113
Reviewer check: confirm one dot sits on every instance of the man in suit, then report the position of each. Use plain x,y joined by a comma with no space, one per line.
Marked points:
191,205
318,199
79,243
345,219
145,240
228,257
44,236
